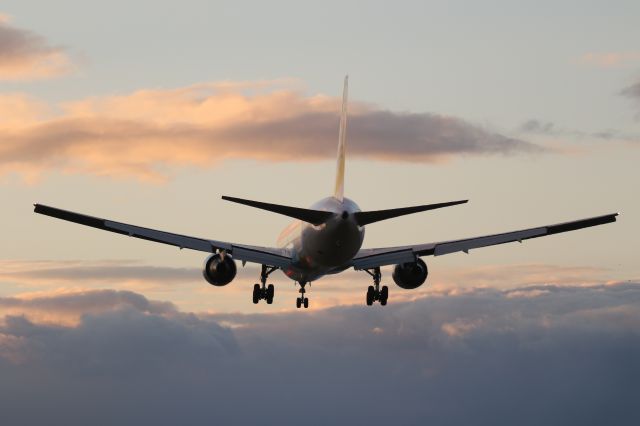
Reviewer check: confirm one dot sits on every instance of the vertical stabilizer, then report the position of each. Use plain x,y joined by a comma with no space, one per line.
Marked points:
339,190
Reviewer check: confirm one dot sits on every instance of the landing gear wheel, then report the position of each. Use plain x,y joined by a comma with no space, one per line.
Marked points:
384,295
302,301
374,292
370,295
270,293
256,293
262,291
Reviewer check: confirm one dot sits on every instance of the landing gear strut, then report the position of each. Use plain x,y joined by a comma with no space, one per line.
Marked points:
374,292
302,301
264,292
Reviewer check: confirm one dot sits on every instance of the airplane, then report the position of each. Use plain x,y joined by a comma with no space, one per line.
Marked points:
325,239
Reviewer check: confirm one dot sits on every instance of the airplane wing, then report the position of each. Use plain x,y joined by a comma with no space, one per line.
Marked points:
376,257
263,255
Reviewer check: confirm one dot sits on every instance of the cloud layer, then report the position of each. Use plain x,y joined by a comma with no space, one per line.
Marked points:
187,288
552,355
147,134
632,91
610,59
25,55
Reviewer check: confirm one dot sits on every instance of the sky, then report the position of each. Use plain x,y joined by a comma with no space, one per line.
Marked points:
148,113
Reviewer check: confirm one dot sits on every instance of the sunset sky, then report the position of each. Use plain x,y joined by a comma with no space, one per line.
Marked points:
148,112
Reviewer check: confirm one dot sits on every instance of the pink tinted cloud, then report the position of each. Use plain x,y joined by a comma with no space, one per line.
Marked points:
25,55
148,134
610,59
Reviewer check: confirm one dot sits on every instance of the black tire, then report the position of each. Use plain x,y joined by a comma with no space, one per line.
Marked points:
306,303
256,293
370,293
270,292
384,295
298,303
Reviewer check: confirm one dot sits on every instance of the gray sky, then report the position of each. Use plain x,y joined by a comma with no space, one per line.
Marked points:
147,112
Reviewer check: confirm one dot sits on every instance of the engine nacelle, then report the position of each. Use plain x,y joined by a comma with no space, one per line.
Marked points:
219,269
410,275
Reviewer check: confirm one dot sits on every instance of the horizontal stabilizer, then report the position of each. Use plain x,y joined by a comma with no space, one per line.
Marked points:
315,217
365,218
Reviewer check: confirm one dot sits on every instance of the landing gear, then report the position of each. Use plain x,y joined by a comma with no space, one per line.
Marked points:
374,292
302,301
264,292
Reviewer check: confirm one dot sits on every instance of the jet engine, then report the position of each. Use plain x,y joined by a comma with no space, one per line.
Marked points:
410,275
219,269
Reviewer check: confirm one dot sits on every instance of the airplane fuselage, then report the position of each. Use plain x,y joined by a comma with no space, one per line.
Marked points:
324,249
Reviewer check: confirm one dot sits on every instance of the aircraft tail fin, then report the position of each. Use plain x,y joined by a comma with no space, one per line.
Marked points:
339,188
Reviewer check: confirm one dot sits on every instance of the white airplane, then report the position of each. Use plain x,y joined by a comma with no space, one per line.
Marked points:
325,239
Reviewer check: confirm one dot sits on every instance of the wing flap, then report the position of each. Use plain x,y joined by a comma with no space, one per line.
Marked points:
262,255
387,256
384,258
154,235
490,240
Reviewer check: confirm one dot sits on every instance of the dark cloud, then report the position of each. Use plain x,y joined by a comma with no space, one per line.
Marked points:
547,128
538,127
540,355
24,54
378,134
632,91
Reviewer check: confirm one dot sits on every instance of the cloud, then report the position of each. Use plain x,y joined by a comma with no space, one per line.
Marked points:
25,55
609,59
148,134
632,91
38,279
568,355
538,127
93,272
552,130
67,307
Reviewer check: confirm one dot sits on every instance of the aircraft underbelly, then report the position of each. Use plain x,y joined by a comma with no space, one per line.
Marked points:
321,249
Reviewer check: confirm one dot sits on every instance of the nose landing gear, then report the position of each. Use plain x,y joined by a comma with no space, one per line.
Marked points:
264,292
374,292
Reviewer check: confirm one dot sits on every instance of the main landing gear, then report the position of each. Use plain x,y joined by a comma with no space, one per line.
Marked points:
374,292
302,301
264,292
